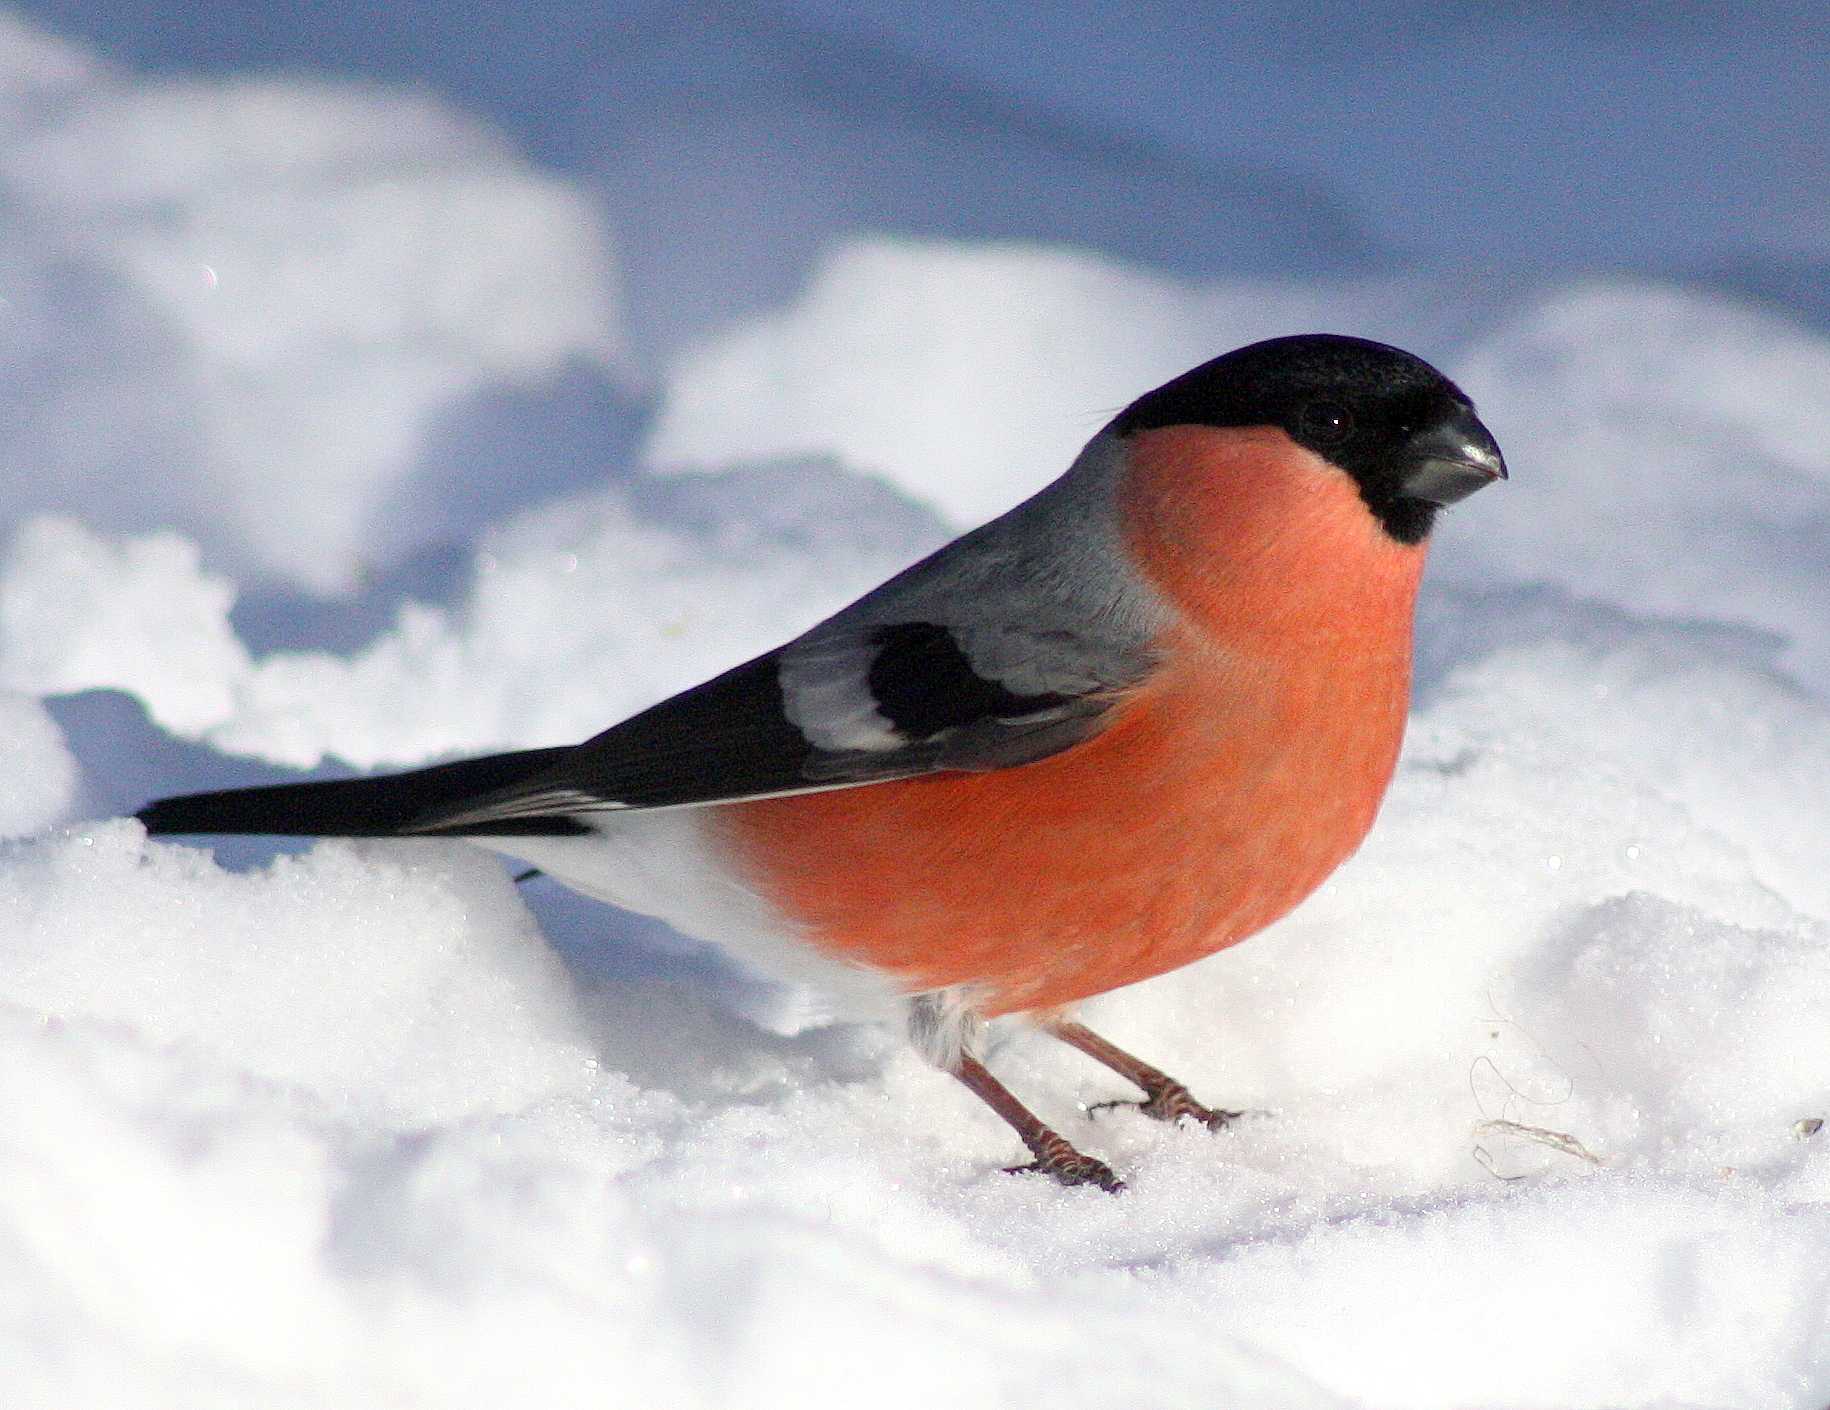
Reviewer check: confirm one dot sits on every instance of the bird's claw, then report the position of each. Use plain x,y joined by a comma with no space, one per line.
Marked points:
1070,1167
1175,1104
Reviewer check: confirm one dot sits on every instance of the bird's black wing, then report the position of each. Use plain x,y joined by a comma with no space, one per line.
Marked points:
728,739
740,736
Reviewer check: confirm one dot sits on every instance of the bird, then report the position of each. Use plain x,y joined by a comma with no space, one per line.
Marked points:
1129,723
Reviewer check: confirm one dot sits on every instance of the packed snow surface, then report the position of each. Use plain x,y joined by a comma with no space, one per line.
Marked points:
1533,1087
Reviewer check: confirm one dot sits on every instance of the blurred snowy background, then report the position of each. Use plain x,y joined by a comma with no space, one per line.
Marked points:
388,382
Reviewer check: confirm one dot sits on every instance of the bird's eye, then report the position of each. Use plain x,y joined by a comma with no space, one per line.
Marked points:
1325,422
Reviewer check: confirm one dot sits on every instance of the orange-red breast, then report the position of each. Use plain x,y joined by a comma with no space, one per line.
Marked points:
1131,722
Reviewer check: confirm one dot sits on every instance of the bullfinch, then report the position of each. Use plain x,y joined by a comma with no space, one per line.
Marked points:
1129,723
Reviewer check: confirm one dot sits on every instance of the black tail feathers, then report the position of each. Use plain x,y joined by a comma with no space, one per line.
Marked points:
364,807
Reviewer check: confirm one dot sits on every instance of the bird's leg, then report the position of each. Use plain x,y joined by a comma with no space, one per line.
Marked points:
1164,1098
1054,1156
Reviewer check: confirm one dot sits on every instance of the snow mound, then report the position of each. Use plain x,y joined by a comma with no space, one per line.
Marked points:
38,776
241,308
78,612
1672,454
417,978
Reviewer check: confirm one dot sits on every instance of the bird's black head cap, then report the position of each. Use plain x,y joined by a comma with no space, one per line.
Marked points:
1406,434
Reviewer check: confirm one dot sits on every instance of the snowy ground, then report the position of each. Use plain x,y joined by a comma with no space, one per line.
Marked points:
1535,1079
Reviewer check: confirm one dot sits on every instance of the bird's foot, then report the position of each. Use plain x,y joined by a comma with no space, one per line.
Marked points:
1056,1158
1053,1155
1165,1099
1172,1102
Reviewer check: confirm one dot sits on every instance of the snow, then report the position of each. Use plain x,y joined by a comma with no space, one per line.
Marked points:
1677,446
278,289
77,612
1532,1087
38,776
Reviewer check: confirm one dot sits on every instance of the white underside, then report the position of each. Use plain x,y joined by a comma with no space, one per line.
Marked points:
663,864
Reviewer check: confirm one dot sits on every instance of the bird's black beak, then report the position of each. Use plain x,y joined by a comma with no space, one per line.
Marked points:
1451,460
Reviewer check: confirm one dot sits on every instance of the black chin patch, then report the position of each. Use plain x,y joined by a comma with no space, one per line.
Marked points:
1406,520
